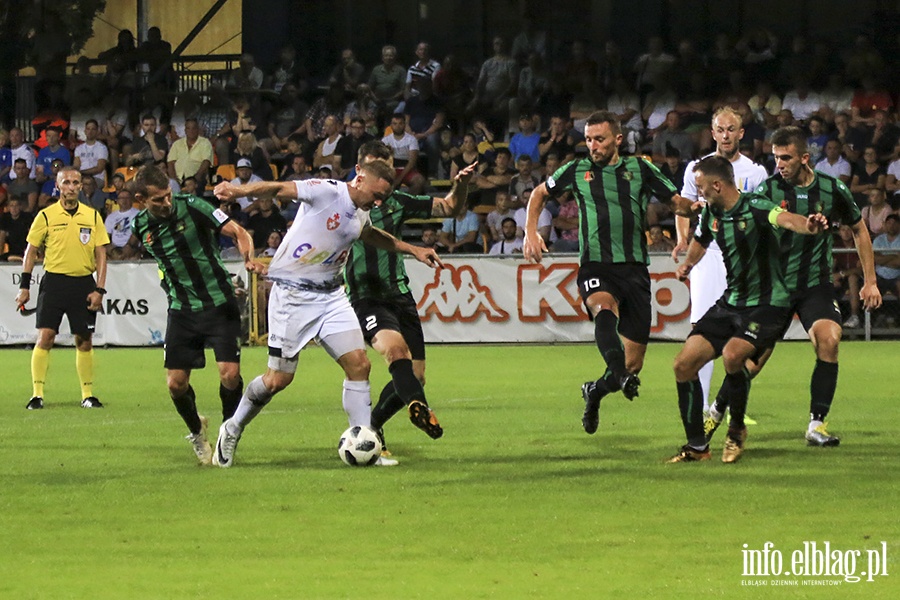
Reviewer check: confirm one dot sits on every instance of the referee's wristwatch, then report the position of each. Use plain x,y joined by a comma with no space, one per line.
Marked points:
100,290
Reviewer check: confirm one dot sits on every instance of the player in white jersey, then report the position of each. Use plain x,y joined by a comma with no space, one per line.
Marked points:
307,300
708,276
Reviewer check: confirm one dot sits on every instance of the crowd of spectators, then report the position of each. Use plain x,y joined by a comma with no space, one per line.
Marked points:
519,114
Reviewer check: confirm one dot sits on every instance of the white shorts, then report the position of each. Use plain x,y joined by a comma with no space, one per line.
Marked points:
297,317
707,282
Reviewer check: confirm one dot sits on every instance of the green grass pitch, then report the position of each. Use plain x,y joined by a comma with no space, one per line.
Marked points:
516,501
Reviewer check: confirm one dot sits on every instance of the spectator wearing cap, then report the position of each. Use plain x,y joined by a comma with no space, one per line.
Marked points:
244,171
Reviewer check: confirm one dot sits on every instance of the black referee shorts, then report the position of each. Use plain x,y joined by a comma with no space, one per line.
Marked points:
65,295
189,333
397,313
629,284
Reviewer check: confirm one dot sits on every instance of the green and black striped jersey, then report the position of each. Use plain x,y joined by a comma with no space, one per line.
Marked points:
612,202
748,237
806,260
374,273
186,248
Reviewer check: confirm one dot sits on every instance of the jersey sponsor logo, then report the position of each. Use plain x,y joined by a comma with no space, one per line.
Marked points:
84,234
309,255
457,295
333,222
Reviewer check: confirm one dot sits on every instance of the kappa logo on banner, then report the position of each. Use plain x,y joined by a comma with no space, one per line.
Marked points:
552,292
457,295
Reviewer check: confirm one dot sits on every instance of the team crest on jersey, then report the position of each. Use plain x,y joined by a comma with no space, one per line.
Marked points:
334,221
753,327
84,234
588,175
784,205
627,176
148,239
180,226
742,225
820,207
715,225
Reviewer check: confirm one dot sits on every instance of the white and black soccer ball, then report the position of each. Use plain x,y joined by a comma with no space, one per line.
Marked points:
359,446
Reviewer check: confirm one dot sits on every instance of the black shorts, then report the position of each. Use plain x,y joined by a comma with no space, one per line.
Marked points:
762,326
813,304
629,284
64,295
188,334
397,313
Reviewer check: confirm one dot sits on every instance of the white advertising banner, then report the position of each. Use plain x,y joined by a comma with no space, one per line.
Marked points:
133,313
474,299
509,300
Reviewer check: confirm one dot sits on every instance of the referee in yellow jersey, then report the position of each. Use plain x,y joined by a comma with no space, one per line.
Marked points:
74,240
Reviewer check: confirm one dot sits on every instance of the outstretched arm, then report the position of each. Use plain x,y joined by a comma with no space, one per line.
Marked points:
385,241
811,225
283,189
453,204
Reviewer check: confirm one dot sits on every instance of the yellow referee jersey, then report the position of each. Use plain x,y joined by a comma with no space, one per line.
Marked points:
68,240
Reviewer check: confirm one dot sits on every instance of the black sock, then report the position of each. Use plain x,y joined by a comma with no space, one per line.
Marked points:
389,404
821,389
735,390
606,334
690,403
405,383
721,403
605,385
186,406
230,398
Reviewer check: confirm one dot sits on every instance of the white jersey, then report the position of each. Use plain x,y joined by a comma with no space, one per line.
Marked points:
315,248
747,176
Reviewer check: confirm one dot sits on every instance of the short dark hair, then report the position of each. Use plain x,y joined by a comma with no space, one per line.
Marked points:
89,121
892,217
605,116
398,115
790,136
20,160
146,176
503,222
375,148
717,167
524,157
503,150
148,116
359,120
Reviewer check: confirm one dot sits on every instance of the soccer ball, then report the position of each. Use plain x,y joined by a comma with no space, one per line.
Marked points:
359,447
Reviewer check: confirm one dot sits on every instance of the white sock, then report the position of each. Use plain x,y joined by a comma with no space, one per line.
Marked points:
357,403
716,415
705,375
255,397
